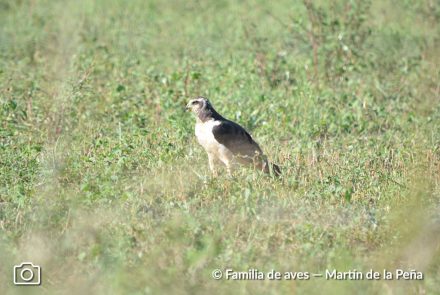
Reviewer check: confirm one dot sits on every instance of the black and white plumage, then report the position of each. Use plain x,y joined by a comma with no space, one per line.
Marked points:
225,141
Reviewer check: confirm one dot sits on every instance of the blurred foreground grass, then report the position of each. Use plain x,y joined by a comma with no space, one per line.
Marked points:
103,184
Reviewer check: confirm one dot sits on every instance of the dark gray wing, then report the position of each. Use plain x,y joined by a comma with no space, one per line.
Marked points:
236,139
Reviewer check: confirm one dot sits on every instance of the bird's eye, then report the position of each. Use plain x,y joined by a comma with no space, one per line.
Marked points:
194,102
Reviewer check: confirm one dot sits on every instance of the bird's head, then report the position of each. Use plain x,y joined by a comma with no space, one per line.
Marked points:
198,104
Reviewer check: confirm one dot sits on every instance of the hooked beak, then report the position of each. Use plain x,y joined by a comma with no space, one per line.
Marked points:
187,107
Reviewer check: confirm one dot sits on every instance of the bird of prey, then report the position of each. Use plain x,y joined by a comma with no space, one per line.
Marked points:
226,142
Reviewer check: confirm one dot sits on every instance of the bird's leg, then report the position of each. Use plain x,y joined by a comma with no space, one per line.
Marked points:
212,161
227,160
228,168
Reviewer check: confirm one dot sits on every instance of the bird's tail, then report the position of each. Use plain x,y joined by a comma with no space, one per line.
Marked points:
276,170
270,168
261,163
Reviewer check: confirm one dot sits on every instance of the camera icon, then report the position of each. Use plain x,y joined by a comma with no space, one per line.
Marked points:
27,274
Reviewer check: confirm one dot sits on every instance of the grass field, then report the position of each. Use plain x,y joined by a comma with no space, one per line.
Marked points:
103,184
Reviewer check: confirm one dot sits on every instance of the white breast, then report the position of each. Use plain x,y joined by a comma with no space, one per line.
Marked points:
216,151
205,136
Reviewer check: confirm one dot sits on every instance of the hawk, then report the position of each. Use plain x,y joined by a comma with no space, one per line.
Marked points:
225,141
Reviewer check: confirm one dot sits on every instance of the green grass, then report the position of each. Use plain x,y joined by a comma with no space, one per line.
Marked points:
103,184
